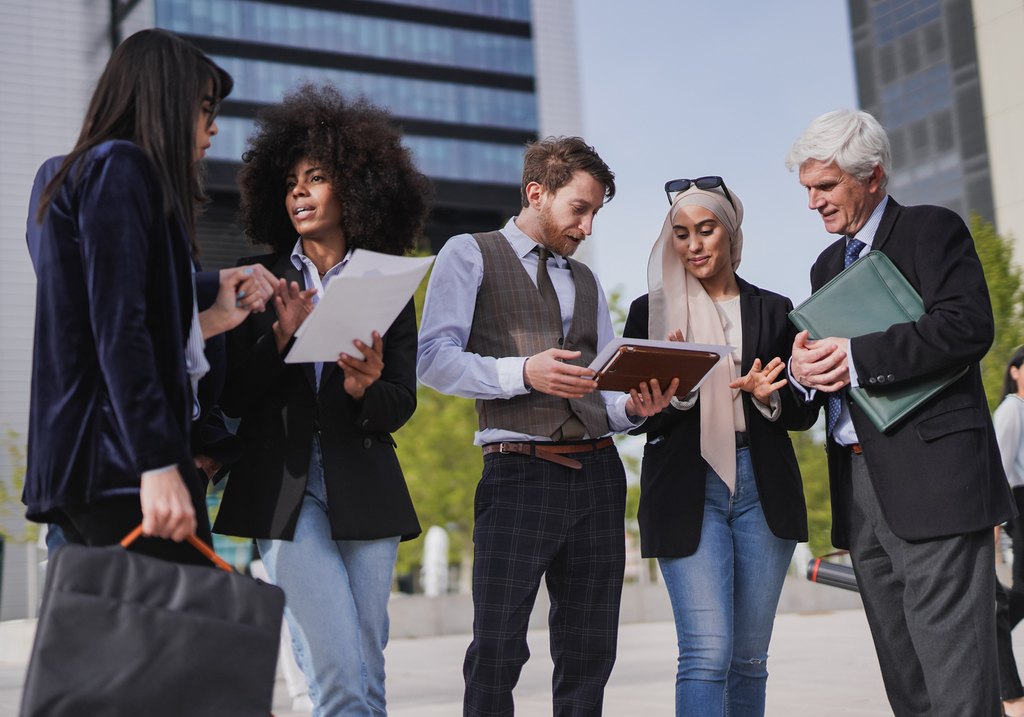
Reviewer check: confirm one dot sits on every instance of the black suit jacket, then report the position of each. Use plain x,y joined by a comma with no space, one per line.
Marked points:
938,473
672,479
279,409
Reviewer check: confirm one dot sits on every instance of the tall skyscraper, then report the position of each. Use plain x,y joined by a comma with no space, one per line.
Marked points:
917,72
998,29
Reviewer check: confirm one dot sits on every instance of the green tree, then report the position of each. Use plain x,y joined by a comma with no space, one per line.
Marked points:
810,454
10,489
442,467
1005,290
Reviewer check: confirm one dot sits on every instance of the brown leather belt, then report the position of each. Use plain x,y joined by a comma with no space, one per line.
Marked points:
554,452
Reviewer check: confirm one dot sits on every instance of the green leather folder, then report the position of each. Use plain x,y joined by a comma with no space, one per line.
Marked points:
872,295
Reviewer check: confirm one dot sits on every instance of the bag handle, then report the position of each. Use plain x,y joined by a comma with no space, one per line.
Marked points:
193,540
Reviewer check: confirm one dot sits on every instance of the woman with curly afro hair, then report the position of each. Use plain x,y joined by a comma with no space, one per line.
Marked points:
319,486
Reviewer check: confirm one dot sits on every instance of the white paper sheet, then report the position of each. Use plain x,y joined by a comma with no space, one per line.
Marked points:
367,296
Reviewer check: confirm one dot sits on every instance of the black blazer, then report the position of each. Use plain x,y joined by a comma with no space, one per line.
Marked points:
110,395
366,492
672,479
939,472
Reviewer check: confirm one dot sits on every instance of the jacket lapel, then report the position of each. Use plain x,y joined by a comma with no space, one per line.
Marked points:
884,231
750,322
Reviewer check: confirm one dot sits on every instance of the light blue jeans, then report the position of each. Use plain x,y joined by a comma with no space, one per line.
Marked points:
724,598
336,595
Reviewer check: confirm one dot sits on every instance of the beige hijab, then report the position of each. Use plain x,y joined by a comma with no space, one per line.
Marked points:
678,301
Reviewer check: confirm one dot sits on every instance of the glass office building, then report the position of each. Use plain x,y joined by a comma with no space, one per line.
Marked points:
458,76
917,72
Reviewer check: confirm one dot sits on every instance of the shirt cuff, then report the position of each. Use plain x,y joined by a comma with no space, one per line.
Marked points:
158,471
685,403
618,420
774,408
510,376
807,393
849,364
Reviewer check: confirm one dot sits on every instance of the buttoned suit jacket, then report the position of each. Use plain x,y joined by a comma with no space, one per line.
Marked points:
673,475
279,408
938,473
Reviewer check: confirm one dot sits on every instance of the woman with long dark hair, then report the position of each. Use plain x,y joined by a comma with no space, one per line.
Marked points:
118,347
319,485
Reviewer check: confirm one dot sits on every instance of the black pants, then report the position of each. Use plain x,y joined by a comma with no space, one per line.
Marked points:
106,522
537,518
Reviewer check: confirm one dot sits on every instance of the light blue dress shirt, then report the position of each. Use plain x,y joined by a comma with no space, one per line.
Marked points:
442,361
844,433
312,277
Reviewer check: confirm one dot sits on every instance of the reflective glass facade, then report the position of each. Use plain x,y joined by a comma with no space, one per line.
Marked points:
458,75
437,157
894,18
508,9
265,82
385,38
917,72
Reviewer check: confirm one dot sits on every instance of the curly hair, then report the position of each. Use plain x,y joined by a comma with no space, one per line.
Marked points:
383,197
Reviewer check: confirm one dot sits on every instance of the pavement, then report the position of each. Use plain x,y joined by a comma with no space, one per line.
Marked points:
821,663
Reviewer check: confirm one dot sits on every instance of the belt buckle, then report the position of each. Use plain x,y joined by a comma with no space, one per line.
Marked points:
503,448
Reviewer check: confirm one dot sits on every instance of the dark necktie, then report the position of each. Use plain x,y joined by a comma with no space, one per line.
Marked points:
546,288
572,428
835,401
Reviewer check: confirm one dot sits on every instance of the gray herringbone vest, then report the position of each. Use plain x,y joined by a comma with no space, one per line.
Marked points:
511,320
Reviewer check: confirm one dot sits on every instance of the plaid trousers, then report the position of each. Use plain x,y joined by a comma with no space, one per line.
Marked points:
535,518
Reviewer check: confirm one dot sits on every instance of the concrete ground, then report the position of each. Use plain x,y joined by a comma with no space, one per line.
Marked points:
821,663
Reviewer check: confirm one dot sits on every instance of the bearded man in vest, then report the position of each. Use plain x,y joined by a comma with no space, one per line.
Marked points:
513,322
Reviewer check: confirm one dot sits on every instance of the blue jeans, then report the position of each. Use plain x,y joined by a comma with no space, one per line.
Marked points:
336,594
724,598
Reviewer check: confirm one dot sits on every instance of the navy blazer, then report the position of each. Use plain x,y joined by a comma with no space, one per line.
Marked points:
673,475
110,395
280,410
939,472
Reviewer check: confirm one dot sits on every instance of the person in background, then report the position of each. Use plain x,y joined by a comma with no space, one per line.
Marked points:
721,501
914,505
512,321
118,349
319,485
1008,420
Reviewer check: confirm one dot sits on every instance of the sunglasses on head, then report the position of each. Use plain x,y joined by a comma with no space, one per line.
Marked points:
674,186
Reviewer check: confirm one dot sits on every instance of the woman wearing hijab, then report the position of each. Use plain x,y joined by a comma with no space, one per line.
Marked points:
721,502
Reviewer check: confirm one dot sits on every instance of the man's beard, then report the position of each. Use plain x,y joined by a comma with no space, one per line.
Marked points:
554,238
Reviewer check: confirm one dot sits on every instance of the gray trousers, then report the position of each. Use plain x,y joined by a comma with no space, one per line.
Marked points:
930,606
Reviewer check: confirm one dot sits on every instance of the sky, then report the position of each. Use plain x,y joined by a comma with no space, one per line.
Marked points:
679,88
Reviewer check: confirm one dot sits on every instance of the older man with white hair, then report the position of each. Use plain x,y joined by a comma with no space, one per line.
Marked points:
915,504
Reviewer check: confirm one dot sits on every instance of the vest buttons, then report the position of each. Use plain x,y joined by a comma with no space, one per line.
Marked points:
367,443
560,340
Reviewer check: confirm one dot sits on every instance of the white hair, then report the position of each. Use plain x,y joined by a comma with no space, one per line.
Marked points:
854,140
